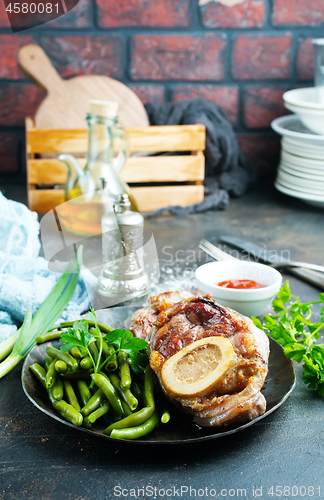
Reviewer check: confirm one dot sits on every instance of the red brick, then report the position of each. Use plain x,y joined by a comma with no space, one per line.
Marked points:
246,14
149,93
155,13
262,105
78,17
303,12
10,45
178,57
305,59
71,55
262,152
257,57
17,102
224,96
85,55
9,153
4,21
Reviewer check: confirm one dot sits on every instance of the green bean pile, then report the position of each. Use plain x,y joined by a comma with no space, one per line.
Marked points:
123,401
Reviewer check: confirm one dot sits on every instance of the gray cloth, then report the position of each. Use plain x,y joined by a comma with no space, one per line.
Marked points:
227,174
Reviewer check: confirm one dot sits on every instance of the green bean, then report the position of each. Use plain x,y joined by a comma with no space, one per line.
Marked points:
129,398
103,328
68,412
165,417
77,375
108,389
39,373
132,420
126,408
63,356
94,402
84,352
84,391
126,395
51,375
48,337
70,395
94,351
75,352
138,431
86,422
148,396
57,390
164,410
124,370
99,413
61,366
86,363
47,362
136,389
112,364
51,396
109,350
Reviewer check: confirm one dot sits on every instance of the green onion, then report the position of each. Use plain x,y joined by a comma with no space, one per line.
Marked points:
43,320
7,345
17,354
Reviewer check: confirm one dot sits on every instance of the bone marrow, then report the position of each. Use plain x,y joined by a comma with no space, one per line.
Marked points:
197,368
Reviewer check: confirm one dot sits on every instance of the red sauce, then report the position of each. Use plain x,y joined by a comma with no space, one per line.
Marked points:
240,284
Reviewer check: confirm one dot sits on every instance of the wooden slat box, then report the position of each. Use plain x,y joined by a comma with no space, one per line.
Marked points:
182,176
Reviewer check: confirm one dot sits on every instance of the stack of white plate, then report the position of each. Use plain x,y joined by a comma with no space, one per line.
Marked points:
301,168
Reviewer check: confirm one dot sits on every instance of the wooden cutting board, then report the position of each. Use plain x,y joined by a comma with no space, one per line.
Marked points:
68,101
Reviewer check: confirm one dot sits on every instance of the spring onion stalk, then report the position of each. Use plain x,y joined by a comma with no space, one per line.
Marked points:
17,354
44,318
7,345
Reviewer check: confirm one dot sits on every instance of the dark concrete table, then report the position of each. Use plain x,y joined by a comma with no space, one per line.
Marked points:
282,455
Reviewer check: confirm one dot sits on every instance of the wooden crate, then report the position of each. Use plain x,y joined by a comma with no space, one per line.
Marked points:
160,180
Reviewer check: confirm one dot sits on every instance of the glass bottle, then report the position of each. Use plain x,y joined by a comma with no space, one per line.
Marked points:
84,210
318,44
123,276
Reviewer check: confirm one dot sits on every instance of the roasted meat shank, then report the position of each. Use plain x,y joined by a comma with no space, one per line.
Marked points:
209,359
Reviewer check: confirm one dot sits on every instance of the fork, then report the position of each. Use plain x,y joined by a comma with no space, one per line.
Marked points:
214,252
218,254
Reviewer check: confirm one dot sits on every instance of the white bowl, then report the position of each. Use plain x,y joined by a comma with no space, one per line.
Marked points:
312,118
305,98
251,302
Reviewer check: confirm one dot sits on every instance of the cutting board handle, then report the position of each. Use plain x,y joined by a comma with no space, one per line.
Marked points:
35,63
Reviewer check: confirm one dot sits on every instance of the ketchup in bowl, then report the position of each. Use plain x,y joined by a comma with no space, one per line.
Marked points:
240,284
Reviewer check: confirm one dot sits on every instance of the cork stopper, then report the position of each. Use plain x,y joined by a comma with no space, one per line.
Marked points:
104,108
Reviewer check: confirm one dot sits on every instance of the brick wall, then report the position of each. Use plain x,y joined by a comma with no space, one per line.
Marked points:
241,54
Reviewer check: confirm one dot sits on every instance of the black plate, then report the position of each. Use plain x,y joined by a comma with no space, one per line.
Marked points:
181,429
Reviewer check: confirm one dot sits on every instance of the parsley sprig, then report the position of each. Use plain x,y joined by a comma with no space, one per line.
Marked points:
81,336
293,329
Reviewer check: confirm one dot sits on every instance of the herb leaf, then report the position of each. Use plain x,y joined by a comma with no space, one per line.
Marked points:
77,336
80,336
293,329
125,341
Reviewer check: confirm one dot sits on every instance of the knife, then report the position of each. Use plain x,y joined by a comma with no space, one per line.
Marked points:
260,253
